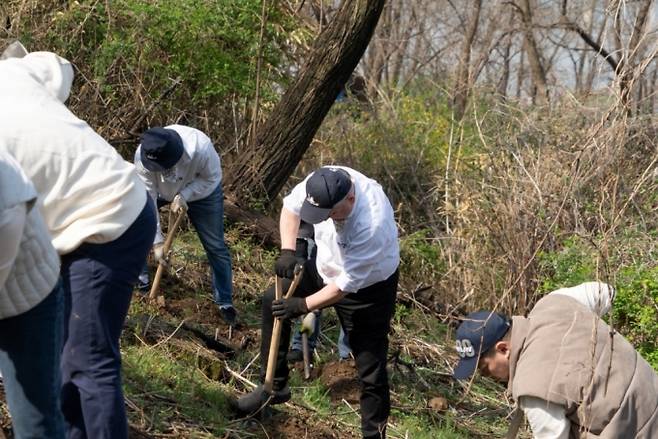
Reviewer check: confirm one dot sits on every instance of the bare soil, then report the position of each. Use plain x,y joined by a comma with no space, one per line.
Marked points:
341,379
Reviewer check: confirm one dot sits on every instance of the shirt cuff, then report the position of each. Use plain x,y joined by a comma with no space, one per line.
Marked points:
345,284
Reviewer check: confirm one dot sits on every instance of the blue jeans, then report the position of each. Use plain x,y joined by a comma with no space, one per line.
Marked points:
344,350
30,345
207,217
98,283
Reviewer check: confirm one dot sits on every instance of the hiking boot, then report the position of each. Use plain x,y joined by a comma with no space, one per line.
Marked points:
255,400
229,315
295,356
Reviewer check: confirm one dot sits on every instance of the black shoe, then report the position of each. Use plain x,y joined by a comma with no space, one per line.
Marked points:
143,287
229,315
255,400
295,356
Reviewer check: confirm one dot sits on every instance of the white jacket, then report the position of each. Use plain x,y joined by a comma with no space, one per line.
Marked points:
87,192
195,176
29,265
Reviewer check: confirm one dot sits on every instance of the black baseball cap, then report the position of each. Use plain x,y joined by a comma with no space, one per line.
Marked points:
325,188
479,332
161,148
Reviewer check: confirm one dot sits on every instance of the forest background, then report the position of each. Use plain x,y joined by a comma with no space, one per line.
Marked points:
516,139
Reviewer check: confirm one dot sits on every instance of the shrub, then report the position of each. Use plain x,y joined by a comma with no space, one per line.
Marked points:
635,307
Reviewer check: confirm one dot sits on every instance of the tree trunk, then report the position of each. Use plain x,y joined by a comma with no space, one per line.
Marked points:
503,83
264,166
375,61
463,79
653,85
534,58
520,74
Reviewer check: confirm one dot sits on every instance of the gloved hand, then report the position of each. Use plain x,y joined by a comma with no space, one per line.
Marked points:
158,254
178,204
289,308
285,264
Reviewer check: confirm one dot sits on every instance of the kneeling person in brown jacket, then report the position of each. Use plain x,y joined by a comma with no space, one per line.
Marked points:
569,372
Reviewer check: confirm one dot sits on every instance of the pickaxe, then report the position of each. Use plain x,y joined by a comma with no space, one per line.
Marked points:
276,330
165,249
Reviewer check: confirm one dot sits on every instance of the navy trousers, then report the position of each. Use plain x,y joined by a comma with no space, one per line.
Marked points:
30,345
98,284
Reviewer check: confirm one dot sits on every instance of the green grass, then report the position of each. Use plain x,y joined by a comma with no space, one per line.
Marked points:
169,390
181,386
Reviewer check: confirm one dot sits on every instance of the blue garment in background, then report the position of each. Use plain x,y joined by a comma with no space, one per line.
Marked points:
207,216
344,350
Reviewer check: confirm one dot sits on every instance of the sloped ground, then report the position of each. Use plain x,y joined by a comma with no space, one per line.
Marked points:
182,364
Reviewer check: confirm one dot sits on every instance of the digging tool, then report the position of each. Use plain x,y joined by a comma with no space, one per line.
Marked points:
167,245
307,329
515,424
276,330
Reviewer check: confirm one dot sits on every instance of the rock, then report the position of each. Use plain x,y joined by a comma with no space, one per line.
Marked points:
438,404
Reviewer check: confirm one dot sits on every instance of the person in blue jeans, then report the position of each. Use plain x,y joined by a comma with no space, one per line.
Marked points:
180,166
31,310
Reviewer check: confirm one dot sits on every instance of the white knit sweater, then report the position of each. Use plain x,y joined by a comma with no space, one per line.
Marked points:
33,265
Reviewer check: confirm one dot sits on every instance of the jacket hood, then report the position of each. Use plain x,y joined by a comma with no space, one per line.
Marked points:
53,72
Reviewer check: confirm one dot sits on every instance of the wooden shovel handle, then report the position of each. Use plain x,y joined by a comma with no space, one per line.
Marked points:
165,250
276,330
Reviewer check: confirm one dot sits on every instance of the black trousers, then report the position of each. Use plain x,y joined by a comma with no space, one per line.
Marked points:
366,318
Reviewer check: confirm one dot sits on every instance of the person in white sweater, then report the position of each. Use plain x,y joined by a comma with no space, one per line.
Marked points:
101,222
31,309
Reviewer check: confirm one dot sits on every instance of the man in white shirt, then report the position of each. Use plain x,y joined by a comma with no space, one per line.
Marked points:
567,370
355,270
179,165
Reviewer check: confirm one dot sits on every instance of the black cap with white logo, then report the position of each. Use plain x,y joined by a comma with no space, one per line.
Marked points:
478,333
325,188
161,148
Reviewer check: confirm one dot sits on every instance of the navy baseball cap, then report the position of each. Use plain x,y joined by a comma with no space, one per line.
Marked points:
325,188
161,148
479,332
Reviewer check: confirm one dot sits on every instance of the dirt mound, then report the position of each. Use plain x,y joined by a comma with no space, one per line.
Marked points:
192,309
294,427
341,379
280,425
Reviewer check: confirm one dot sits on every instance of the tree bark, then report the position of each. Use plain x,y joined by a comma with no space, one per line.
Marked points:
463,79
258,225
534,58
264,166
503,83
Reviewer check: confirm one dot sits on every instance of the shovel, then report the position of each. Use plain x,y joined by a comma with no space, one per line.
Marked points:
276,330
307,329
167,245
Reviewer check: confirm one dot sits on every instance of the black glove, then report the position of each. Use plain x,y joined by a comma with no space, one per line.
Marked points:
285,264
289,308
